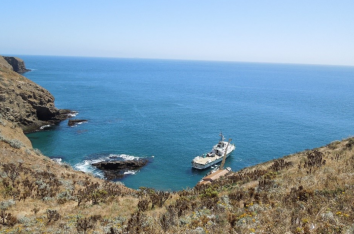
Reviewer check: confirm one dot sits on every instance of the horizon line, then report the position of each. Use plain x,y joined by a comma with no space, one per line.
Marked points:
176,59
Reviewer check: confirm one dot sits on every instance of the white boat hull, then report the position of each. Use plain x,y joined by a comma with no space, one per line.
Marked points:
201,163
201,167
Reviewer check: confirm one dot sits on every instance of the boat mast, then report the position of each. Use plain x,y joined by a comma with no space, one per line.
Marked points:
224,158
222,138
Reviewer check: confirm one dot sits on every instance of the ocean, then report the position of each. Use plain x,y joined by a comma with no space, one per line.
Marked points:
174,110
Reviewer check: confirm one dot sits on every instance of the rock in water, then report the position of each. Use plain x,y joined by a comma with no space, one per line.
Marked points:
119,165
115,169
73,122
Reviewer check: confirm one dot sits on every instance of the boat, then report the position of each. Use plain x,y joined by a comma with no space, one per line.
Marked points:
223,148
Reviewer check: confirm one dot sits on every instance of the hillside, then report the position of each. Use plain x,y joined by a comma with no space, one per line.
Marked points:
307,192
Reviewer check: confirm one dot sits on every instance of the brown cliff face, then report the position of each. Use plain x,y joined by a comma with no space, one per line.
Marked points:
26,103
17,64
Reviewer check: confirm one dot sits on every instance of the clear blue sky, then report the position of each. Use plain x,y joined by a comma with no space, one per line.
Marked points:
282,31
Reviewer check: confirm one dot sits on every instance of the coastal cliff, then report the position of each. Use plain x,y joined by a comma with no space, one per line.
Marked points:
306,192
23,101
17,64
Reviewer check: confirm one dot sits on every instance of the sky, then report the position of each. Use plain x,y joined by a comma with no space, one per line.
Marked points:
272,31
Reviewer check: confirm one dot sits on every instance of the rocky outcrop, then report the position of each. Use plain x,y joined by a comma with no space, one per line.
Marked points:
18,65
119,165
26,103
115,169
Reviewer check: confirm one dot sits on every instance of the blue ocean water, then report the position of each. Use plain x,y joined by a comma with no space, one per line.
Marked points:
175,110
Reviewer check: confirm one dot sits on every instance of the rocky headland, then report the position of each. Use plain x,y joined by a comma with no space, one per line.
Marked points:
23,101
17,64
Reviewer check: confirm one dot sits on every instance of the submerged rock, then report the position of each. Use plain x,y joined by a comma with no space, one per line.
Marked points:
73,122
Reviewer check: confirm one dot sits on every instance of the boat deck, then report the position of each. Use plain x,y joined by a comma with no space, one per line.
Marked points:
206,160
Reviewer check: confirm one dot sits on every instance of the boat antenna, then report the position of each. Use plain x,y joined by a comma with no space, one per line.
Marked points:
222,138
224,158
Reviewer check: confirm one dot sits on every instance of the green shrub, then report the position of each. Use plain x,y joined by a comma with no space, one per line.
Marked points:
210,192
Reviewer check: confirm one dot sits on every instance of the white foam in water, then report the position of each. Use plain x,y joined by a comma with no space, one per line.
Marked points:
130,172
86,167
73,114
83,166
123,156
45,126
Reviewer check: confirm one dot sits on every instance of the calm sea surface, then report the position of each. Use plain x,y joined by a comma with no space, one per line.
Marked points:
175,110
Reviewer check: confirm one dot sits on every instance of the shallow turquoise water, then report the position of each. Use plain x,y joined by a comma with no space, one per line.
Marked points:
175,110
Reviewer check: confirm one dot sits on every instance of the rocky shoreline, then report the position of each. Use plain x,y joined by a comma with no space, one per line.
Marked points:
32,108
